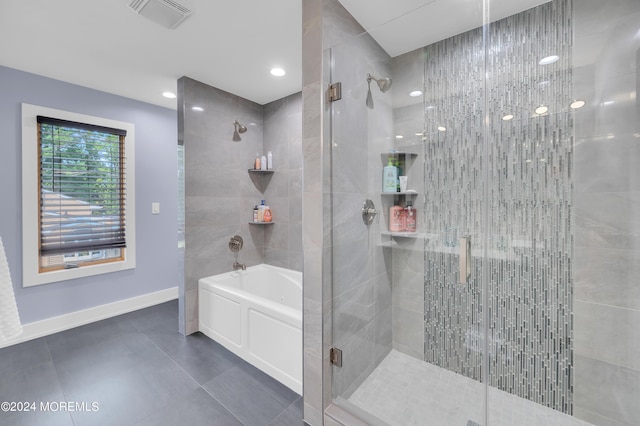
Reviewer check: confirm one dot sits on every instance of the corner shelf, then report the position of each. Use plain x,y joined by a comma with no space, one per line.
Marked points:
399,193
386,155
260,171
414,235
261,223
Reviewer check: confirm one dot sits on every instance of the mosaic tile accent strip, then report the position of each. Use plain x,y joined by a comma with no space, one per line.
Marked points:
525,253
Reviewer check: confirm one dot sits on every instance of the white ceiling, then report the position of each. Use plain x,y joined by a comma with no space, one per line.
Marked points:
228,44
105,45
400,26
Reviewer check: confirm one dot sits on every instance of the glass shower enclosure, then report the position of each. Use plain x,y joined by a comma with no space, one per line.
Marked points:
512,301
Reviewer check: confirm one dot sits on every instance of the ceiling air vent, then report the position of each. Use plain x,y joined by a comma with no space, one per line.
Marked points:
167,13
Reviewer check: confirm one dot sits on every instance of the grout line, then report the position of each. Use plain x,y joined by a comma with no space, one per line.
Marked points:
606,305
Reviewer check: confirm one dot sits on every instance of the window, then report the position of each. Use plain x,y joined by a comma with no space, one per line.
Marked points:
78,169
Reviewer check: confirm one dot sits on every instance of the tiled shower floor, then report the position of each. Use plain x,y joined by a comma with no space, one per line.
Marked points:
404,391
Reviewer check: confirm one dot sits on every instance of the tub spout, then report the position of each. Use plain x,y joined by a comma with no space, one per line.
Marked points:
237,265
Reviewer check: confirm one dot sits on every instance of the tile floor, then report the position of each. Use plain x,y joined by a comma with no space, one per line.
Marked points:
139,371
434,396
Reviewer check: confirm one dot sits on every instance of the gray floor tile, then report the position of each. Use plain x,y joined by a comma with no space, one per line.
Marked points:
160,317
129,396
98,362
141,371
38,384
199,356
23,355
292,416
36,418
252,396
194,409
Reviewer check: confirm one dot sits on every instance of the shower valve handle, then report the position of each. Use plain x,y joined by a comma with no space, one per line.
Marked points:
369,212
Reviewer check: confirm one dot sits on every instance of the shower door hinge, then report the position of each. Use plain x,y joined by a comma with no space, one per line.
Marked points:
335,92
335,357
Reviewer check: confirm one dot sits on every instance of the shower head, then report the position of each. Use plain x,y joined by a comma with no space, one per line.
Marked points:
241,128
238,128
384,84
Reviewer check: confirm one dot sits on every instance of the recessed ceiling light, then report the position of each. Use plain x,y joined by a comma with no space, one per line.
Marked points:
578,103
543,159
430,107
608,103
415,93
508,117
399,136
278,72
549,60
542,109
169,95
442,128
197,108
419,133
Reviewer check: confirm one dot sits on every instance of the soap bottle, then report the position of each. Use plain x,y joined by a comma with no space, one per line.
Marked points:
255,213
263,163
267,214
261,211
390,177
395,217
399,166
269,160
256,163
411,216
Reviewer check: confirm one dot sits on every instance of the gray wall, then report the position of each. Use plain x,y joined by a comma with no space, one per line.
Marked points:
324,24
361,265
283,136
607,210
220,193
156,170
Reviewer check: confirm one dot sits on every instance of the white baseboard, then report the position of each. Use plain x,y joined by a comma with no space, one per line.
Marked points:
53,325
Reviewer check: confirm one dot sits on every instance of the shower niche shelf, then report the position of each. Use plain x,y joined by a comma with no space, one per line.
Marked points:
388,198
414,235
261,223
260,171
397,154
406,193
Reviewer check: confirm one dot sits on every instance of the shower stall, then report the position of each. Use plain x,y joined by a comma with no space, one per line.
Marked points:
515,300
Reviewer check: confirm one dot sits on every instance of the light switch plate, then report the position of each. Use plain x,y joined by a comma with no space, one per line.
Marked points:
155,208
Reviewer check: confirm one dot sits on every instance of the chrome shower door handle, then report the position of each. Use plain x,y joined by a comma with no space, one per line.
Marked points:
465,259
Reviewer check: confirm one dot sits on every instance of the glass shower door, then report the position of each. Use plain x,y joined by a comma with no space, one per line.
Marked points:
407,321
525,139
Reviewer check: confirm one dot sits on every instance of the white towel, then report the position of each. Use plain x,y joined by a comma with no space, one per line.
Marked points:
10,326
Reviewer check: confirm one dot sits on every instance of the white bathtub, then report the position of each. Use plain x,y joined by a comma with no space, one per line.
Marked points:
257,314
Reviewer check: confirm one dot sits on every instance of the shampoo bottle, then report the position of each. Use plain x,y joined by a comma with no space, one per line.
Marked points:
269,160
256,163
399,167
411,216
395,217
267,214
263,163
255,213
261,211
390,177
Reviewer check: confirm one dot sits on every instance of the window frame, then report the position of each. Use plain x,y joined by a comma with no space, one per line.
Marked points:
32,273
